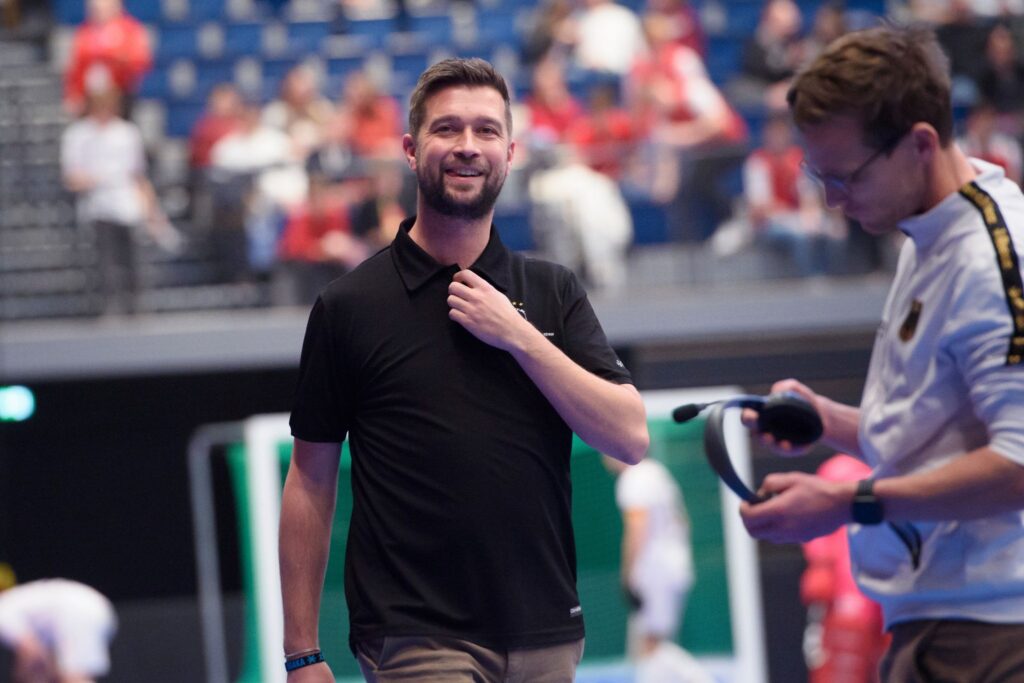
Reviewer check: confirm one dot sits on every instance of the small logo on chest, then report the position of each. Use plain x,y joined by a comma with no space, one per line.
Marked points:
909,325
519,306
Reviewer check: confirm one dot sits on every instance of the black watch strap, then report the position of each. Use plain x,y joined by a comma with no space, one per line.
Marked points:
866,508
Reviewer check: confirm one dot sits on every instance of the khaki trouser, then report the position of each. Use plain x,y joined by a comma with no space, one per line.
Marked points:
448,660
951,651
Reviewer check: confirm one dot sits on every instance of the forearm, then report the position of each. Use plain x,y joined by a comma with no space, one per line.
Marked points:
978,484
609,417
307,514
841,424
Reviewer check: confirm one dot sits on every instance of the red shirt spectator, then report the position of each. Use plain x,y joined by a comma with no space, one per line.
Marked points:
222,116
552,108
112,47
306,229
606,136
376,118
674,87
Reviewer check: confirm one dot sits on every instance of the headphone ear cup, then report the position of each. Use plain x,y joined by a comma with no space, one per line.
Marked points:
790,418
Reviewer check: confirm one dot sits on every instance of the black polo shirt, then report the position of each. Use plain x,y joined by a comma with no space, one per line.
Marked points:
461,522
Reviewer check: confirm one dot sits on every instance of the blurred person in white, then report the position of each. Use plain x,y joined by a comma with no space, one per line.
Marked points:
300,110
269,165
103,163
657,570
58,630
608,37
938,539
580,218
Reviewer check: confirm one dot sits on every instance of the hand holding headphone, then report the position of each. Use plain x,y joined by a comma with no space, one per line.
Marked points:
787,416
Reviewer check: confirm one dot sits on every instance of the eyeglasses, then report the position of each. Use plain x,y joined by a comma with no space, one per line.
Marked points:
843,183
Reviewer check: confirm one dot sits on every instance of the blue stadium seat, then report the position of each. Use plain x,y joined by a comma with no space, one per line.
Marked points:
242,39
182,116
154,84
723,57
338,68
375,30
276,68
177,40
146,11
207,9
305,37
743,16
69,12
435,29
650,225
497,27
408,67
213,72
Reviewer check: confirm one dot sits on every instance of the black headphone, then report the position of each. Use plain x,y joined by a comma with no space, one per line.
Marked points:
786,416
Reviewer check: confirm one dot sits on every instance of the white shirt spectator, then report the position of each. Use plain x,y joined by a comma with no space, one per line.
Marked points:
113,156
74,621
609,38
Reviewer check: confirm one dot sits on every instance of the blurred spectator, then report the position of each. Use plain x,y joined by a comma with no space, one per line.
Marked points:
376,117
299,110
318,243
784,206
552,108
843,639
983,139
103,163
685,22
259,179
609,37
606,136
656,570
963,36
1001,81
221,117
58,630
829,23
688,119
550,33
580,219
335,165
110,49
770,57
392,198
317,246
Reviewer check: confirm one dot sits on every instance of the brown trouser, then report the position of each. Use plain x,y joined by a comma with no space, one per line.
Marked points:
448,660
951,651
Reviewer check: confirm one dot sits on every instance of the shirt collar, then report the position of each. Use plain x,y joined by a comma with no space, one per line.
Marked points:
416,267
926,228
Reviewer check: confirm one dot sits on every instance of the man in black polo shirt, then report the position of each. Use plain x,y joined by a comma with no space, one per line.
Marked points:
458,370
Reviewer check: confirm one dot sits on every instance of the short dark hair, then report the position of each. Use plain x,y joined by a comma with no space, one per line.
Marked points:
888,78
473,72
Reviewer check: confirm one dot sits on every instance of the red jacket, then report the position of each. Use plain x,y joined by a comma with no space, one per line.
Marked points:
121,46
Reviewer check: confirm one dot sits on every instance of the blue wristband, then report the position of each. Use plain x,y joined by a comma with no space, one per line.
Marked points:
305,660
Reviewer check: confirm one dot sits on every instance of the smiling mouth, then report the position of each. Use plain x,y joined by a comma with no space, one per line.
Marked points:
464,173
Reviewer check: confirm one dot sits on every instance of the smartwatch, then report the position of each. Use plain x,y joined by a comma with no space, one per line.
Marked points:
866,507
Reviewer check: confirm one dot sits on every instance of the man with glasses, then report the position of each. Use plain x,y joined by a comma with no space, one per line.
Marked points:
938,531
